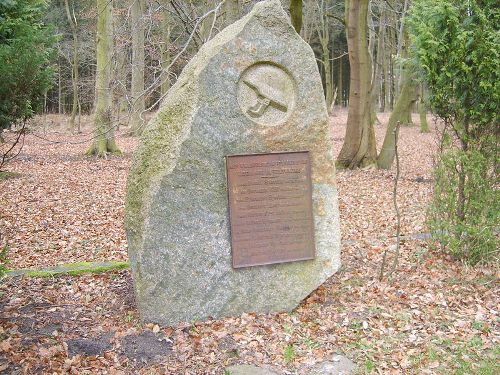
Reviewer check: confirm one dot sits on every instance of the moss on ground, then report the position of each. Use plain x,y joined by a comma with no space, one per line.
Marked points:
5,175
72,269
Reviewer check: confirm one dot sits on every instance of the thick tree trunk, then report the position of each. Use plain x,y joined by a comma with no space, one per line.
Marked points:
405,100
359,148
75,71
137,87
296,14
104,138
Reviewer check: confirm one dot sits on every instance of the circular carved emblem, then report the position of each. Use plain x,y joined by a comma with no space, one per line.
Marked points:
266,94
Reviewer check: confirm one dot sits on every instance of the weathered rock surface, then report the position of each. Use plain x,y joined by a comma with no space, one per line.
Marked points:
339,365
177,207
248,370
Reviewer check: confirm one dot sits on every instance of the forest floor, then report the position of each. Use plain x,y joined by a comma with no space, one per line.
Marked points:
434,316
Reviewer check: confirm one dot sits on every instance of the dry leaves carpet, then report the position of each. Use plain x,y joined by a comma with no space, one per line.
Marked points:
435,316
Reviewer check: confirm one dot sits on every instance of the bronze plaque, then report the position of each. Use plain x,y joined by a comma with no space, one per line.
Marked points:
270,208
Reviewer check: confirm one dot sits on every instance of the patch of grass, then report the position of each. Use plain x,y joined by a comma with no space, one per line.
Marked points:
404,316
479,281
129,318
4,260
311,344
476,342
419,254
288,329
289,353
4,175
485,280
432,354
459,358
369,365
481,326
355,325
354,282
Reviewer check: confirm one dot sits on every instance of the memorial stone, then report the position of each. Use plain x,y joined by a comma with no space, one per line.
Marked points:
253,89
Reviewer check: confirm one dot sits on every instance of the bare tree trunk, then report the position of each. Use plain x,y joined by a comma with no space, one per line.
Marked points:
402,41
424,125
137,87
372,51
411,96
75,73
165,52
120,87
327,69
359,148
406,98
59,90
386,72
296,14
324,40
104,138
377,69
120,100
391,51
341,82
232,10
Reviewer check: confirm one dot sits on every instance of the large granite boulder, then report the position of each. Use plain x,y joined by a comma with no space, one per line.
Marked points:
177,203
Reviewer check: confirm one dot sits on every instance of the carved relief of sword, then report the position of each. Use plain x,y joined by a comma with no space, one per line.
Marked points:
266,96
258,109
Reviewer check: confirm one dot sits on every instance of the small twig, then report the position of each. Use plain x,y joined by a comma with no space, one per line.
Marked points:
396,208
398,215
5,156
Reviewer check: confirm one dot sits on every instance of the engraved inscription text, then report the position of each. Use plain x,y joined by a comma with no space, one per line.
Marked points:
270,204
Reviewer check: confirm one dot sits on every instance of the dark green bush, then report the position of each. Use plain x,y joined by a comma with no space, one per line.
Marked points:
25,59
457,46
473,233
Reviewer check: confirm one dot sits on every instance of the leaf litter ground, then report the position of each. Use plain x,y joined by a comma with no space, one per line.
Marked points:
435,316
